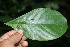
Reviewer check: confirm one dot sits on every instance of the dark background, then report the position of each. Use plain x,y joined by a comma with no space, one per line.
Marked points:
11,9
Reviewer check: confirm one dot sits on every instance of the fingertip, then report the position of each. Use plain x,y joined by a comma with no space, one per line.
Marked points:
24,38
24,43
20,31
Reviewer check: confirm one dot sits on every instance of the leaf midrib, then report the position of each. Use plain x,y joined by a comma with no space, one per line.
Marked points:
29,23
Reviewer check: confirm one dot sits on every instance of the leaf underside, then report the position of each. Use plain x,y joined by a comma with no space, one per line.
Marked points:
41,24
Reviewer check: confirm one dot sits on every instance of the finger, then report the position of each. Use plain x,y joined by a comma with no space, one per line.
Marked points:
24,43
7,35
11,32
15,38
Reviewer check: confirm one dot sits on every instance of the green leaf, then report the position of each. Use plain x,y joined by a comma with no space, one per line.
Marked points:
41,24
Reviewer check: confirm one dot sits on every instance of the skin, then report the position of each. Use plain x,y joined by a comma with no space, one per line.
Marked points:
13,39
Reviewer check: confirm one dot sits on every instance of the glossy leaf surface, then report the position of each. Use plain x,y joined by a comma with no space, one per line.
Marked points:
41,24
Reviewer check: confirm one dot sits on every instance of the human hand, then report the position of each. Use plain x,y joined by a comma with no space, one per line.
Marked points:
13,39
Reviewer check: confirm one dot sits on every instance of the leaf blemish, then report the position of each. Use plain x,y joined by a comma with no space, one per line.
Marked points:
32,19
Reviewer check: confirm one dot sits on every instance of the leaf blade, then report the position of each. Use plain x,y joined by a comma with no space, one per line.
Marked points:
41,24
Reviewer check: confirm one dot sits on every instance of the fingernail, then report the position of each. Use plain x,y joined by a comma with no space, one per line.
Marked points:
20,31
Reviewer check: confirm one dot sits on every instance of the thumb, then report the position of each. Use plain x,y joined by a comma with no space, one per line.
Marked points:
15,38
